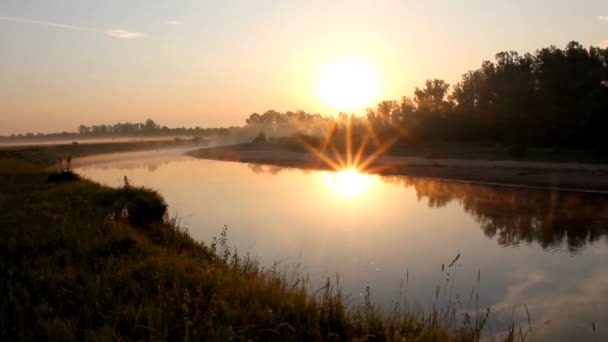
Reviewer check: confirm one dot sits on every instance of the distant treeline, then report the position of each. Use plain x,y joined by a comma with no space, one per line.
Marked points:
275,123
147,128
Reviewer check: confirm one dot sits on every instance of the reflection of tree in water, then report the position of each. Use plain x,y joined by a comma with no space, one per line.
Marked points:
518,215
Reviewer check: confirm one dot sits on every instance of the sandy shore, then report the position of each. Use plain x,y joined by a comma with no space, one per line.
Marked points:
538,174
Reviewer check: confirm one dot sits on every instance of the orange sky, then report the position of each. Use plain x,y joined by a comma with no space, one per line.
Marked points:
207,63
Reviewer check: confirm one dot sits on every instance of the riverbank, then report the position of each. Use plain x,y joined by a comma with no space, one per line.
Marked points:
48,155
75,267
592,177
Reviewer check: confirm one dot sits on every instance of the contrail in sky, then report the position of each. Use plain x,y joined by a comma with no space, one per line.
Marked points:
115,33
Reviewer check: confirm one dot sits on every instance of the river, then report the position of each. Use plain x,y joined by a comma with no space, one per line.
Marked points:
403,237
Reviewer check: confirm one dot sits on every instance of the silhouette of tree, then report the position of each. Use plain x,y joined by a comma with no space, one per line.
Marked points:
432,98
554,97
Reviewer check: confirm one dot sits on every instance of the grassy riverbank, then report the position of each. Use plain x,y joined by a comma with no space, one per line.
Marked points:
73,269
47,155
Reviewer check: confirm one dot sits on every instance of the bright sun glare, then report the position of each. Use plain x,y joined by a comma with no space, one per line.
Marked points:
347,84
348,182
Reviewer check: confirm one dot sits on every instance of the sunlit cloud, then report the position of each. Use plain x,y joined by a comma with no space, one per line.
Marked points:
115,33
124,34
173,22
604,44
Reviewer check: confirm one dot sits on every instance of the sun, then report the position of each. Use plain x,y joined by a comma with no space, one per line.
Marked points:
347,84
348,182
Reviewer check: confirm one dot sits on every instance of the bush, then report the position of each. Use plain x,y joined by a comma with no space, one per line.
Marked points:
63,176
145,207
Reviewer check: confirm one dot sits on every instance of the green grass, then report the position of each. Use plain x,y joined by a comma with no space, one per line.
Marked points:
73,269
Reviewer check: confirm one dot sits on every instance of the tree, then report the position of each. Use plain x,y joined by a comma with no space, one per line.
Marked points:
388,111
432,98
150,126
407,111
467,93
254,119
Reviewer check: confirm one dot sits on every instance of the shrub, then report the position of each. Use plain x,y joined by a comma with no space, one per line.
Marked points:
63,176
145,207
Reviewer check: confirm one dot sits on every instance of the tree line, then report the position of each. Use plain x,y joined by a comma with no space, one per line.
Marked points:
146,128
149,127
552,98
275,123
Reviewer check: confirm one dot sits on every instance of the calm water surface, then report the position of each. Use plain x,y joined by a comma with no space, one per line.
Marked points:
547,250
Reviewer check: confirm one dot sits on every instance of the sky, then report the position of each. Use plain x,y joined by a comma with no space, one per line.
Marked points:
212,63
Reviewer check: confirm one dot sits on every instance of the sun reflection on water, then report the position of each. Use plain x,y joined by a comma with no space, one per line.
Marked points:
348,182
